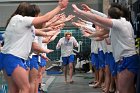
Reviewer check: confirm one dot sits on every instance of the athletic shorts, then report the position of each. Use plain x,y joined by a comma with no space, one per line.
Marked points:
131,63
101,57
28,63
42,62
95,60
1,61
10,62
107,58
111,63
67,60
34,62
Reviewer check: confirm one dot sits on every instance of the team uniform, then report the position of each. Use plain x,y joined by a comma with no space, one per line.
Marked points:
34,58
94,47
17,42
109,60
123,45
42,61
67,49
101,53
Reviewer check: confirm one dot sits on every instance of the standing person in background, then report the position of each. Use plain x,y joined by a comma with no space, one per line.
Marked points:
67,43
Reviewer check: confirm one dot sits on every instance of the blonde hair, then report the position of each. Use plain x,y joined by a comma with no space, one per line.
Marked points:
67,33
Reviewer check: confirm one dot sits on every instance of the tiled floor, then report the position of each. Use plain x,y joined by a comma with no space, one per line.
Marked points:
80,85
55,84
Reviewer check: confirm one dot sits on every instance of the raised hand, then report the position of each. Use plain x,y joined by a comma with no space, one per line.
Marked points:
86,34
76,9
76,24
85,7
70,17
55,18
49,50
63,3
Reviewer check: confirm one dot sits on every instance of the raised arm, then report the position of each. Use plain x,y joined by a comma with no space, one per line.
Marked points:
42,19
86,8
94,18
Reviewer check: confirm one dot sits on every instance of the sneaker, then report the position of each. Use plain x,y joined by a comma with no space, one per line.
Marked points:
91,85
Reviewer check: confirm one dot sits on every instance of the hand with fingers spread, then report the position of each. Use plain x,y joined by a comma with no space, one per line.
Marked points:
63,4
76,9
77,24
46,29
70,17
85,7
85,32
55,18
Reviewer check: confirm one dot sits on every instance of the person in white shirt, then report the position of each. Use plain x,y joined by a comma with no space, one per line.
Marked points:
81,24
67,43
123,45
18,39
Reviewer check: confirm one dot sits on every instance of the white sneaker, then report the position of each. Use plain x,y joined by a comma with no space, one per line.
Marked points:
91,85
89,71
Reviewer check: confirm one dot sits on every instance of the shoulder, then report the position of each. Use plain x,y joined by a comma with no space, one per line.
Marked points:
63,38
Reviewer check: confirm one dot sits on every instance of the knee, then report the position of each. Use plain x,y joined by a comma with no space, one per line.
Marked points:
27,88
70,67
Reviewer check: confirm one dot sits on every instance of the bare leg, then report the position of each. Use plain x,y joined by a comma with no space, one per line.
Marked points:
71,71
65,73
20,77
126,82
12,87
33,79
98,84
112,84
107,79
96,74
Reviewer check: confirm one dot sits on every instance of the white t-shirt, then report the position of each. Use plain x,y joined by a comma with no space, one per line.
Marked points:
122,39
94,46
19,36
67,46
103,46
109,48
98,13
38,40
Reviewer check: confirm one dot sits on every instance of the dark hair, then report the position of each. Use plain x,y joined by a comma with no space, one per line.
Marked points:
21,10
125,12
114,13
33,11
93,25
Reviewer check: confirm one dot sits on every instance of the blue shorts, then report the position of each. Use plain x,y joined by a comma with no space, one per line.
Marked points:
10,62
67,60
95,60
28,63
34,62
111,63
131,63
107,58
1,61
42,63
101,57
